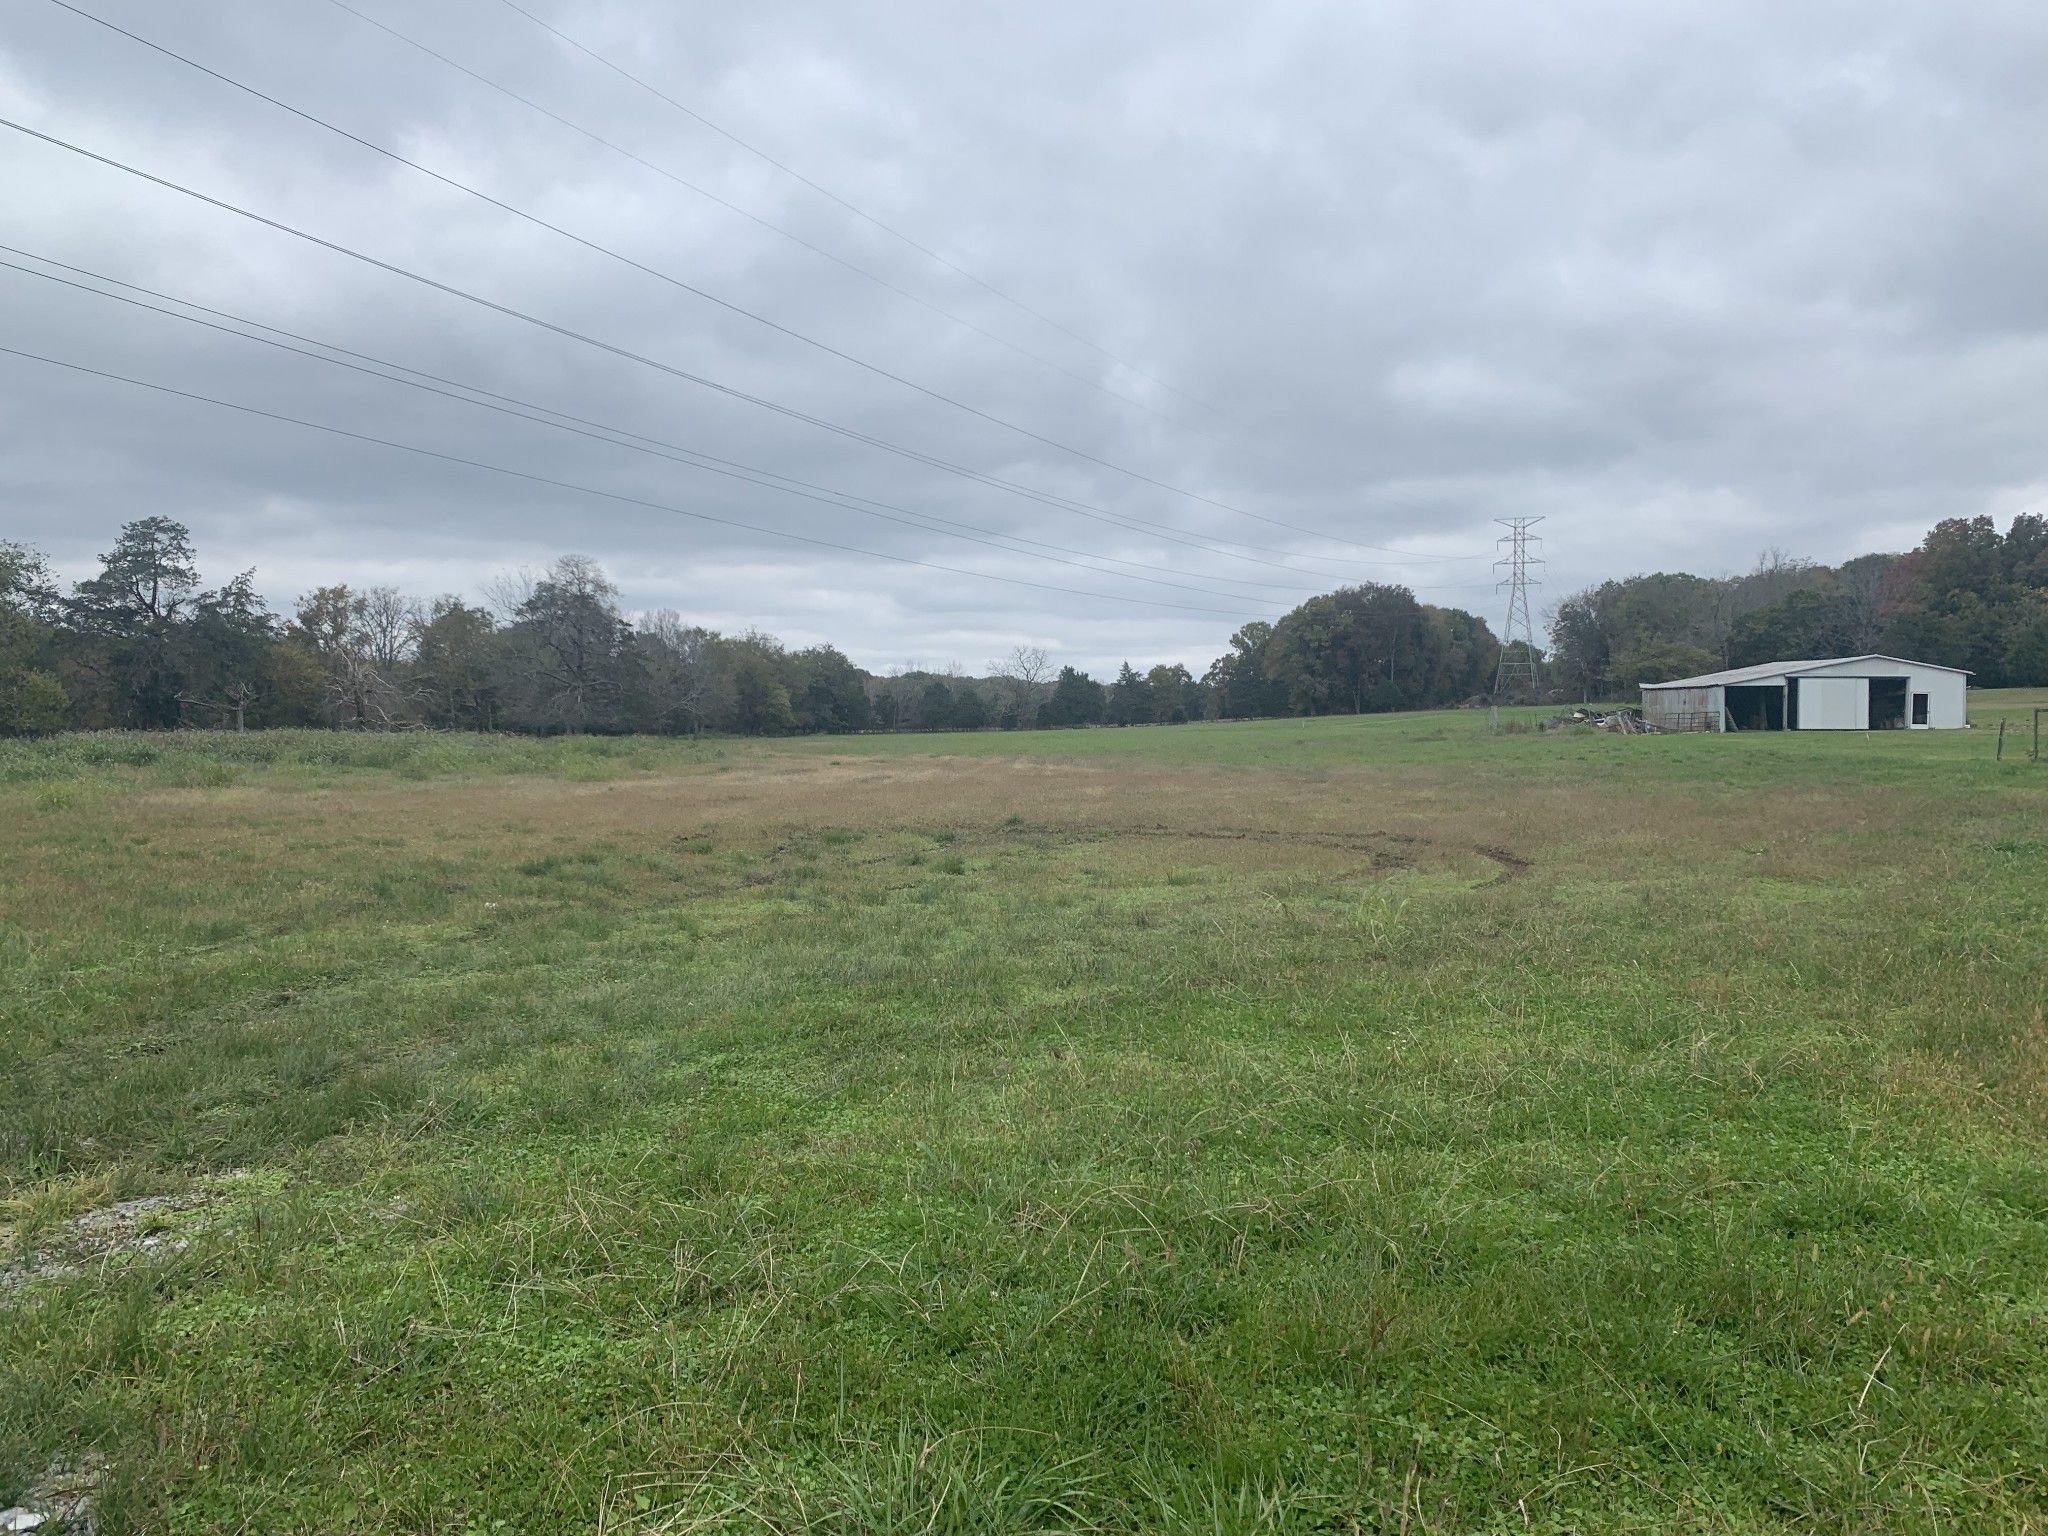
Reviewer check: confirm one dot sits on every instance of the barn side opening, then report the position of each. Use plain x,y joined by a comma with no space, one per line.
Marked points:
1887,703
1755,709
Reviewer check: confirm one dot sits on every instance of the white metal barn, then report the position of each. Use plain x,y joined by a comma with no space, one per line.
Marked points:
1854,693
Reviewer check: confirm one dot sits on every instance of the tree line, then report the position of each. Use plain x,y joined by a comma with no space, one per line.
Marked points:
143,644
1967,597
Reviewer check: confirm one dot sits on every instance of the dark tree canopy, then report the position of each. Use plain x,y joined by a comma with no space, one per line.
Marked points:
828,692
1076,699
145,581
1237,685
32,700
1358,649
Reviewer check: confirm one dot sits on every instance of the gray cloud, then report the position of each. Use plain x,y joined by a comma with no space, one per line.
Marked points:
1686,283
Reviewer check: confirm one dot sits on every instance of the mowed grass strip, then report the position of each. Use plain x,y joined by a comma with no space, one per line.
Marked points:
1370,1125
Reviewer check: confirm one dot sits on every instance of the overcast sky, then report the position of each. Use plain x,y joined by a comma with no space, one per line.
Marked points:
1272,298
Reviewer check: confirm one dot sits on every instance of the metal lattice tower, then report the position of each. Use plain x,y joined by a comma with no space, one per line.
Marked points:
1517,668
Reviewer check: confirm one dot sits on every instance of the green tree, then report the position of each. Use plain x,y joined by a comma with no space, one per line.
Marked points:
334,624
1305,657
1970,597
1387,658
1865,588
1176,696
683,682
227,644
1662,661
1129,700
455,665
1813,624
127,621
1597,634
29,605
32,701
1460,656
147,578
970,706
1076,700
827,691
1581,644
328,620
294,689
2026,661
567,646
760,691
935,706
887,707
1238,685
1370,647
1592,631
1358,648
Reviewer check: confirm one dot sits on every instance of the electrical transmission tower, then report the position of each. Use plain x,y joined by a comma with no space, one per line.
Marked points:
1517,672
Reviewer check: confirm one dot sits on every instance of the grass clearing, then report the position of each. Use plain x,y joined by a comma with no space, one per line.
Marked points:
1355,1124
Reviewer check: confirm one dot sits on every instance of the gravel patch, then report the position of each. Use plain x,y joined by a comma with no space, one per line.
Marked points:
145,1226
60,1502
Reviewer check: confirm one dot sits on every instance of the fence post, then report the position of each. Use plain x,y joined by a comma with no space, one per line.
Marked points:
1999,756
1493,718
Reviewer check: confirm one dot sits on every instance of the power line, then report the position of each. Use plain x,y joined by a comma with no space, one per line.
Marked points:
738,394
695,458
789,235
639,266
591,490
618,437
858,212
852,434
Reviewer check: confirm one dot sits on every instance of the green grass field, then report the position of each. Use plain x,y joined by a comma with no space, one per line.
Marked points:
1339,1125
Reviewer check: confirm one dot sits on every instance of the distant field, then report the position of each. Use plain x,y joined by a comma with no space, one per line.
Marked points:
1353,1124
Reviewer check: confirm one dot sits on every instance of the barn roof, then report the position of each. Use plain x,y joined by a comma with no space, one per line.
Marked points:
1739,675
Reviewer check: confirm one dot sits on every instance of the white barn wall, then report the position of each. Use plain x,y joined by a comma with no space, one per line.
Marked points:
1947,693
1833,703
1948,699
